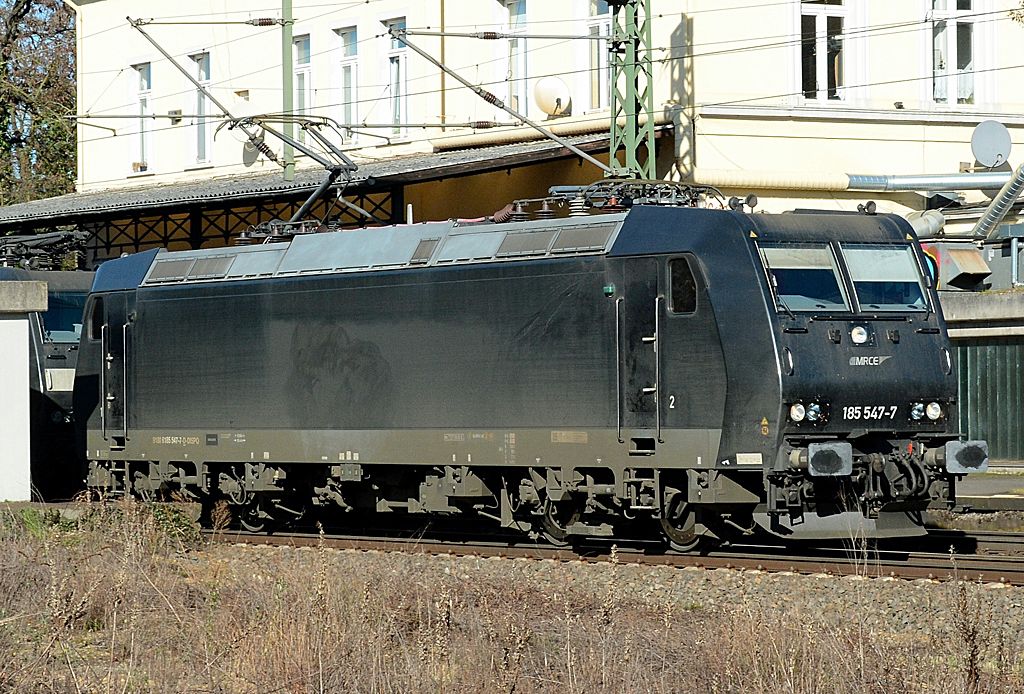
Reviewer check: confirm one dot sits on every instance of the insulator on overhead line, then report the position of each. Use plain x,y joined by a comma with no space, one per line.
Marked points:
519,213
503,215
488,35
263,22
482,124
545,211
490,98
264,148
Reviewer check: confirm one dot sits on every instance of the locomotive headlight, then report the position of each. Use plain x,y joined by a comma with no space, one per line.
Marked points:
797,412
859,334
813,412
917,411
934,411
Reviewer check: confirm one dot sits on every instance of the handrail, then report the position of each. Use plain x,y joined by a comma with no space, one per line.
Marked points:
104,365
618,370
657,364
124,379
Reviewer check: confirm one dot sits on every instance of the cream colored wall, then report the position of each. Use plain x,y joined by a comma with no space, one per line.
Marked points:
750,116
249,58
733,66
242,57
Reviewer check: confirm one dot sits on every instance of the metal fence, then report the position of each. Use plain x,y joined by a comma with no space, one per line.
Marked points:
992,393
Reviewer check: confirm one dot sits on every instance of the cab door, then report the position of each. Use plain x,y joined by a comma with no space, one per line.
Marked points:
639,307
116,345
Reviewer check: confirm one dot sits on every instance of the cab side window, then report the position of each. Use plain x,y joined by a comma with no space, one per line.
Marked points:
96,319
683,286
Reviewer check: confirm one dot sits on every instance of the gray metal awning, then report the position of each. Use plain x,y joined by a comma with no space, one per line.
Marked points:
373,175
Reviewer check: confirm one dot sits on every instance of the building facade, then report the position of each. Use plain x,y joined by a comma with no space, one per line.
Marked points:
780,98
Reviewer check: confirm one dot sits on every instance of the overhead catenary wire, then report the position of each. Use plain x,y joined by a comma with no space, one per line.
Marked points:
785,40
665,60
718,103
496,35
792,41
495,101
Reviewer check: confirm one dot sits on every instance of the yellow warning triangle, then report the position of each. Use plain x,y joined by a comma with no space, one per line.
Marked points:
764,421
909,237
753,235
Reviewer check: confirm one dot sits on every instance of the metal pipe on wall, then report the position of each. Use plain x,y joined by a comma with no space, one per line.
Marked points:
988,225
795,180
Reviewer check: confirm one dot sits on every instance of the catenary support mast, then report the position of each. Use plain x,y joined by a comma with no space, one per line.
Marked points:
632,88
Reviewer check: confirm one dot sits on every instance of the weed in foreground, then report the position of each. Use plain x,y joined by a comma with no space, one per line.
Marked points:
122,601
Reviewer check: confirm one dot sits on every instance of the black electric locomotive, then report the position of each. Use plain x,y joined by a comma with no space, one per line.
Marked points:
691,371
53,355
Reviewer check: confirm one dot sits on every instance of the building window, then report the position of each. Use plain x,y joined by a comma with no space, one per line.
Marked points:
348,80
599,23
397,77
142,146
302,101
823,49
953,51
203,136
515,73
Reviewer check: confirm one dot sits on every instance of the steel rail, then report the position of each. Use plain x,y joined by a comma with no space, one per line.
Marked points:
835,561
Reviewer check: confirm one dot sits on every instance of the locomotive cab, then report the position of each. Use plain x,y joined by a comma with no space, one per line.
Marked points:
868,388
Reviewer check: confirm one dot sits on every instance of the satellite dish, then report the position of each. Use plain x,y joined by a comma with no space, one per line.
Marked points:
991,143
552,96
243,109
250,155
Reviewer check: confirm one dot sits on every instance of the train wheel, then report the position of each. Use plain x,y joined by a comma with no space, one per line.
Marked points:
253,517
557,517
679,524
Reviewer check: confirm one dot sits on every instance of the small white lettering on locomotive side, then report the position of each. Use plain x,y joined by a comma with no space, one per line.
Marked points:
568,437
177,440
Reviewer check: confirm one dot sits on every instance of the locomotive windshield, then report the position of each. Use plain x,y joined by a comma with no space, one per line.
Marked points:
885,278
806,278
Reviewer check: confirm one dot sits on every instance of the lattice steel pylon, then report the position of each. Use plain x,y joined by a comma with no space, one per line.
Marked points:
632,88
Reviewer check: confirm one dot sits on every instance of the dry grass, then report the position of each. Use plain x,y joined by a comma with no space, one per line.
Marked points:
126,600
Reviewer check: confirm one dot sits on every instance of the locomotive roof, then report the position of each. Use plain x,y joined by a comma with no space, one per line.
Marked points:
651,229
643,230
56,280
428,244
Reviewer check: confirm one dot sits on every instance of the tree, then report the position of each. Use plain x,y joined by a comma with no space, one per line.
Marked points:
37,92
1018,14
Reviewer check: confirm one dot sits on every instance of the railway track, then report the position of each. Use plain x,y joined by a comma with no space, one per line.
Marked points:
989,557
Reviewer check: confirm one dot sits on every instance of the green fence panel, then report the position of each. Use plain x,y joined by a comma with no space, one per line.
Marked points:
991,388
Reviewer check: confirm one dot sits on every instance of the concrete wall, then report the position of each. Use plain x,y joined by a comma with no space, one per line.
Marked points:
17,300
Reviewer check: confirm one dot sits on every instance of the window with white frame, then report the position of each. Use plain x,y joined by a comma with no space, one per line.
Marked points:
398,79
953,51
302,101
823,49
515,73
347,79
202,138
599,23
141,150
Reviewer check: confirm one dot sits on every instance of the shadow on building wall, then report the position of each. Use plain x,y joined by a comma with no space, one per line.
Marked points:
679,60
